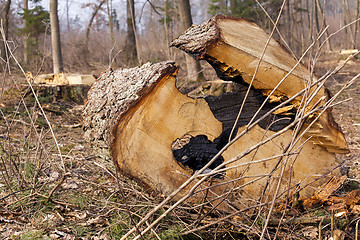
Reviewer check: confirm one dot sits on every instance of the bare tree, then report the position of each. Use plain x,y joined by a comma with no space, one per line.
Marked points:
322,12
26,47
357,16
67,15
109,13
131,44
88,28
193,67
347,19
55,37
5,25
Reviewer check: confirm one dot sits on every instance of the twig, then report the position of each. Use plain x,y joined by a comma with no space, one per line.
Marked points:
63,177
38,102
72,126
26,189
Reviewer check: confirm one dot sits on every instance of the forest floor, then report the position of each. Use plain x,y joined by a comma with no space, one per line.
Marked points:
75,194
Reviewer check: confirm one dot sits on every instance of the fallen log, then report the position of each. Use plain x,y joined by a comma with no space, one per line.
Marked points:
161,137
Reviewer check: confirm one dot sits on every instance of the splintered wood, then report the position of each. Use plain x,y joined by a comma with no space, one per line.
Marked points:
161,137
234,46
325,196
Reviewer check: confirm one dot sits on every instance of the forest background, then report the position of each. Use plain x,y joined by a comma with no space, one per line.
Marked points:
94,32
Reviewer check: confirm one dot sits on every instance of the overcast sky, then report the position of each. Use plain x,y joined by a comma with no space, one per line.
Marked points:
76,10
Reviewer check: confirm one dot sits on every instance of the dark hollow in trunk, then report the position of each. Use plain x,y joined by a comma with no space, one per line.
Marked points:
226,108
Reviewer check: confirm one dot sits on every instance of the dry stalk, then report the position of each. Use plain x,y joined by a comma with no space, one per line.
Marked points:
37,101
62,179
357,229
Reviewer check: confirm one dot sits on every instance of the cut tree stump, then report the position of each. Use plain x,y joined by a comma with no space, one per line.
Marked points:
160,136
64,79
68,87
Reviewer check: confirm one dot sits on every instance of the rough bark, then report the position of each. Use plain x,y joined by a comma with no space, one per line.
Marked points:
121,88
55,37
193,67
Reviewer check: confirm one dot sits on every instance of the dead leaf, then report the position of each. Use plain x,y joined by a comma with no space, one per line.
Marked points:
338,235
69,185
310,232
78,215
355,209
96,221
353,197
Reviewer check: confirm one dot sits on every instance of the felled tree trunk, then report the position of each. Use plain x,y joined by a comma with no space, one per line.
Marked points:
161,137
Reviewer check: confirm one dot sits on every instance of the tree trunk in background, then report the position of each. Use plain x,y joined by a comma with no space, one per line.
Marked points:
87,32
322,12
193,67
67,15
169,55
351,28
288,24
109,12
347,19
5,22
112,41
55,37
356,25
309,15
26,47
131,49
345,22
316,16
